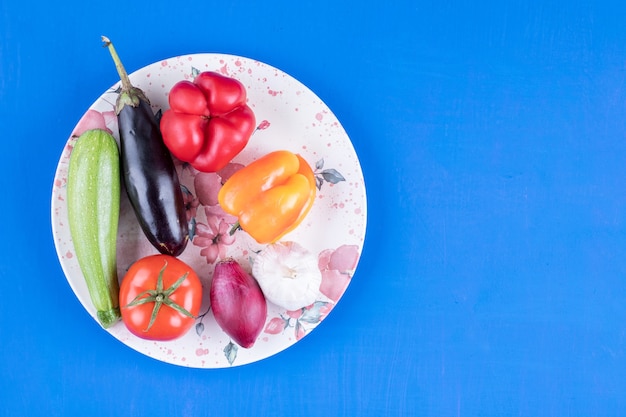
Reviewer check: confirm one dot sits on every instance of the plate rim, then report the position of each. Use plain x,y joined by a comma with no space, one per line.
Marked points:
206,56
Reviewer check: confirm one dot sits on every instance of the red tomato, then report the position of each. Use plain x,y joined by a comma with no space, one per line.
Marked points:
160,297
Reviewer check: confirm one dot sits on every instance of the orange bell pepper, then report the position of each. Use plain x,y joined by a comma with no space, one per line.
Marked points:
270,196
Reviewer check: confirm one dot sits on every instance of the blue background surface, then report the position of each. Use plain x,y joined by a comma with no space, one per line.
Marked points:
492,136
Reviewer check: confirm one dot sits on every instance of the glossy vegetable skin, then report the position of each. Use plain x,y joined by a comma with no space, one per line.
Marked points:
238,303
93,205
160,297
270,196
148,170
208,122
151,181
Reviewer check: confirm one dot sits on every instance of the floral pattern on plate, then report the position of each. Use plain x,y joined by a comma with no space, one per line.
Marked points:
289,116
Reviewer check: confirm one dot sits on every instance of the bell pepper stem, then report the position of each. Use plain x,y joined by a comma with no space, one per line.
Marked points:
235,227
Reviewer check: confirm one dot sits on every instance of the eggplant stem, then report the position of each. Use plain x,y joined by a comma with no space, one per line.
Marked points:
129,95
126,84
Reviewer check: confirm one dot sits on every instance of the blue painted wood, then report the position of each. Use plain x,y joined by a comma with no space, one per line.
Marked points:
493,142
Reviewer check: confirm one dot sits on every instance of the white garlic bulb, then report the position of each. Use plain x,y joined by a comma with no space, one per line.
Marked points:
288,274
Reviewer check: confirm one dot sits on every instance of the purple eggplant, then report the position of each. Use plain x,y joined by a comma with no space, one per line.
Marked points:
148,170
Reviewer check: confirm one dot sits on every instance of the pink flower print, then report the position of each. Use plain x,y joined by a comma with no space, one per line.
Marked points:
184,170
295,314
92,119
299,319
226,172
325,309
110,119
213,238
300,330
191,203
334,283
263,125
217,213
207,186
276,325
337,267
316,312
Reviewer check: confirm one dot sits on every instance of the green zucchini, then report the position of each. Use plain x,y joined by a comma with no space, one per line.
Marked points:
93,206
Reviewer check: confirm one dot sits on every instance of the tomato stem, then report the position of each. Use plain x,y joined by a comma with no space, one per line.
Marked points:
159,296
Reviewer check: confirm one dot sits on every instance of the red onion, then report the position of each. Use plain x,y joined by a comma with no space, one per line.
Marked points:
237,302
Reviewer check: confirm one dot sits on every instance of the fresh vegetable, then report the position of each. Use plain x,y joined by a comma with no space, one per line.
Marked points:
208,122
238,303
288,274
160,297
270,196
148,170
93,206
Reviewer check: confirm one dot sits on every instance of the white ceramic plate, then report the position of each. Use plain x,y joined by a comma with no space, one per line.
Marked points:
289,116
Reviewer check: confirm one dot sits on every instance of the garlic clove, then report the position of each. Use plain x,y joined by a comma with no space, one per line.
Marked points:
288,274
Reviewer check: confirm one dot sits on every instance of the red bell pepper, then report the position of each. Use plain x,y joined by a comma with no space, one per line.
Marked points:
208,122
